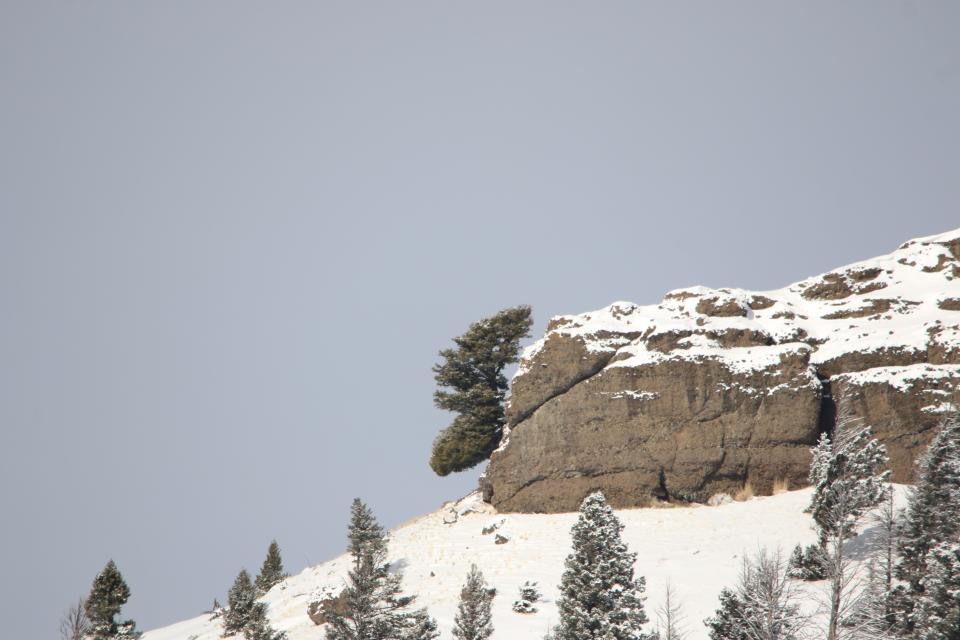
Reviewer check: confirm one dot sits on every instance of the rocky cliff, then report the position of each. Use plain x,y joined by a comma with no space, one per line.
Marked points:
715,388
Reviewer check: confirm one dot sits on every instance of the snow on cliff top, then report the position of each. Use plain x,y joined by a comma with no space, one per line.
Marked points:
698,549
901,301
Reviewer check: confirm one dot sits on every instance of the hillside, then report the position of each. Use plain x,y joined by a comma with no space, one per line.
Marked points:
697,548
713,388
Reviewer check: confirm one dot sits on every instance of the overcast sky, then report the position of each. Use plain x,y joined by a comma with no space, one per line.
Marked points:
234,235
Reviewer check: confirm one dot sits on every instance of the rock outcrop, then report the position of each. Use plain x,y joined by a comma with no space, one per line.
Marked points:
714,389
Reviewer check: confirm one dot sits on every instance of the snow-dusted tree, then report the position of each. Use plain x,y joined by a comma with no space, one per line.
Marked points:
471,384
847,478
240,604
727,622
932,517
767,602
272,570
474,619
599,596
937,615
107,596
421,626
529,596
376,609
74,624
671,621
258,627
848,481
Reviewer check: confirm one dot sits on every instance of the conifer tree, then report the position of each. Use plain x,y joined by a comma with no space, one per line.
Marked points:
848,481
376,608
271,572
529,595
474,618
107,596
938,606
240,604
258,627
472,385
727,622
932,517
599,596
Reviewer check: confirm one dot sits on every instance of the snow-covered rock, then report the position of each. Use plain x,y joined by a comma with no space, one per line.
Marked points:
714,388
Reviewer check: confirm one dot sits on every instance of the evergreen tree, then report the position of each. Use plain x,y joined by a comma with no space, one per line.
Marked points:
529,596
474,619
599,596
726,623
938,606
932,517
107,595
258,627
473,386
847,479
848,482
375,607
421,627
272,570
240,604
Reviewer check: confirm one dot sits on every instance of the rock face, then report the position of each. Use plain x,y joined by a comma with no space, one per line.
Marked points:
713,389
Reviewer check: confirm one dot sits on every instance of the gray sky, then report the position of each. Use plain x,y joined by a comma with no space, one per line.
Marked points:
234,235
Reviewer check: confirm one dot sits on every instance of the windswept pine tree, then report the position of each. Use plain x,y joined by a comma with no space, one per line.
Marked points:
848,480
474,620
932,518
107,596
472,385
376,608
599,596
271,572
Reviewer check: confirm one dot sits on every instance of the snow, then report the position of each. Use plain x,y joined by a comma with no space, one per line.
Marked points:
698,549
903,378
912,279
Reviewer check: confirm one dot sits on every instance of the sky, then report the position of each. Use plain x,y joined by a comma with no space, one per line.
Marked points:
234,236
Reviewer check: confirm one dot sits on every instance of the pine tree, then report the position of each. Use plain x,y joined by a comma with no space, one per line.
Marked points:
474,619
938,606
240,604
271,572
421,627
846,477
258,627
599,596
529,596
727,622
932,517
375,607
107,596
848,481
473,373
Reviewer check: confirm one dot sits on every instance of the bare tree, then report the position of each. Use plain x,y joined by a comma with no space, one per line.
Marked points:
770,600
671,621
74,624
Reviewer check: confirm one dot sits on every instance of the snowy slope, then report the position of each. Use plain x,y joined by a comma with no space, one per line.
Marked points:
698,549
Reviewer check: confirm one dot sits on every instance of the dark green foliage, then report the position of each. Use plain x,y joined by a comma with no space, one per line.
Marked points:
471,384
240,601
107,595
938,608
599,596
932,517
375,608
809,564
272,570
474,619
258,628
529,596
726,624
